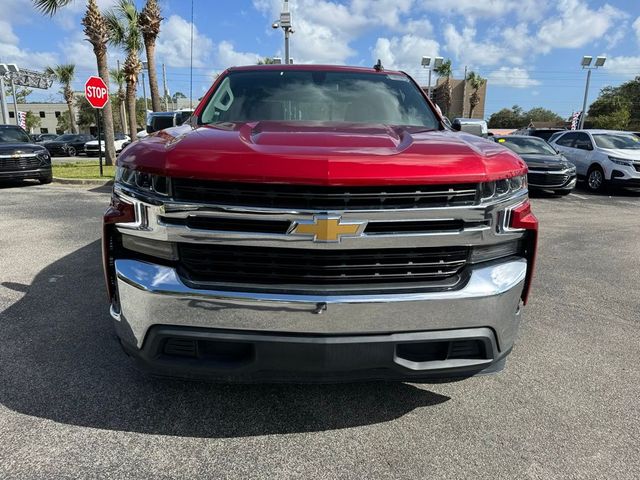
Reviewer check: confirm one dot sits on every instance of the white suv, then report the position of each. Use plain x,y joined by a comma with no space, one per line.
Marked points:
91,148
602,156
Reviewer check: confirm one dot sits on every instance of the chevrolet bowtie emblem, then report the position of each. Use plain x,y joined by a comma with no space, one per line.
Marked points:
327,228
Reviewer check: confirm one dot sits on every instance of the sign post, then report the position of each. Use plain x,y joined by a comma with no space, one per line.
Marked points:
97,94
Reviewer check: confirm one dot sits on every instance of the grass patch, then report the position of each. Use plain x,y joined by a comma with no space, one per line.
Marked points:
82,170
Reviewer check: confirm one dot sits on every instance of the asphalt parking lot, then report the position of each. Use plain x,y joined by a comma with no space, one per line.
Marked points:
72,406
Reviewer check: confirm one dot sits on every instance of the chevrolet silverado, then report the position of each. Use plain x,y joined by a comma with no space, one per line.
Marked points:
318,223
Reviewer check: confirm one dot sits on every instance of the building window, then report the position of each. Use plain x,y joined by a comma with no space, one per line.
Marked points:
41,114
44,130
57,114
12,115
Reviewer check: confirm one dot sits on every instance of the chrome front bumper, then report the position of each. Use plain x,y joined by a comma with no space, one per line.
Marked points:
151,295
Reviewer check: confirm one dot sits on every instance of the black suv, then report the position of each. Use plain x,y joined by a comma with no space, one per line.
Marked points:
68,145
21,157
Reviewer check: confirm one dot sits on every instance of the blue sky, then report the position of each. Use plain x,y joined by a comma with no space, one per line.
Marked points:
529,49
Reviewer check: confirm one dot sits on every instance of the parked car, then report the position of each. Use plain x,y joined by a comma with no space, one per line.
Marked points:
548,169
544,133
602,156
68,145
44,137
21,157
318,223
160,120
91,147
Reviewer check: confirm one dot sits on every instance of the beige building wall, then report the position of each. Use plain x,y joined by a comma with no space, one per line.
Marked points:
460,96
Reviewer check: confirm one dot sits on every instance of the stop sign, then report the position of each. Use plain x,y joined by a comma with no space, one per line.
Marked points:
96,92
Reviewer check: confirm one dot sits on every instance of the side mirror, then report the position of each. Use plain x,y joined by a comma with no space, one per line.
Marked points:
456,126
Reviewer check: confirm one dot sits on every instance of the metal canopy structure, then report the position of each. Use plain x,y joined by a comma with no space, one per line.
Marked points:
27,78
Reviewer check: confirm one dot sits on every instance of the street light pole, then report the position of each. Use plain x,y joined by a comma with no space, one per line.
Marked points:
426,63
15,102
285,24
586,65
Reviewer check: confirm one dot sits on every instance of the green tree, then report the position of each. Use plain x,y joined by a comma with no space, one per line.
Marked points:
64,123
125,33
86,113
118,77
617,107
476,82
539,114
507,118
149,22
95,29
21,94
32,121
64,75
266,61
445,71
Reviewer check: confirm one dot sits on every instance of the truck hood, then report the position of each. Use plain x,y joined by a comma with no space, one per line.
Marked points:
11,148
321,154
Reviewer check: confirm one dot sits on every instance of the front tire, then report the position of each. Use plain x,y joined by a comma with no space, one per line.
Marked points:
71,151
595,179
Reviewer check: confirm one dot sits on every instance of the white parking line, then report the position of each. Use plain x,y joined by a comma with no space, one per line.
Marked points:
581,197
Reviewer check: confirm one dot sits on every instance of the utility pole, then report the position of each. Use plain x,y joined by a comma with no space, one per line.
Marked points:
144,94
3,101
15,102
286,25
166,92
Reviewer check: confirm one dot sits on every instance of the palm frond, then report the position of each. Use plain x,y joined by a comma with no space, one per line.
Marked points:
50,7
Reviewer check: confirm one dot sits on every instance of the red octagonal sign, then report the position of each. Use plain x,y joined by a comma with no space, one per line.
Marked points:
96,92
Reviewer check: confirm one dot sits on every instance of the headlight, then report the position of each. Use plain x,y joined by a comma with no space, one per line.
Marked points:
621,161
143,181
43,156
503,188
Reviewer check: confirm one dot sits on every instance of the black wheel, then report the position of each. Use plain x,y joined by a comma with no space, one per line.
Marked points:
71,151
595,179
45,180
562,192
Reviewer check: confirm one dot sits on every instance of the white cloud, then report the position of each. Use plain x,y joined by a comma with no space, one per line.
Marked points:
173,46
636,28
627,67
514,77
469,51
325,29
227,56
473,9
404,53
576,25
12,52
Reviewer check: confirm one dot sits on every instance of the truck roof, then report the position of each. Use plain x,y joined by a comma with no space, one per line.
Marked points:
307,66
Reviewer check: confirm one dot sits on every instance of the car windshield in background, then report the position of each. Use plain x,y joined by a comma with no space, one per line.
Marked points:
13,135
318,96
624,142
527,146
65,138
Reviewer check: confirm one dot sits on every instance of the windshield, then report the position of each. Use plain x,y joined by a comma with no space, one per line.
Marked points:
526,146
65,138
13,135
319,96
622,141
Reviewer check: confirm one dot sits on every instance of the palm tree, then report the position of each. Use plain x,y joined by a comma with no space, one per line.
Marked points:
117,75
476,82
64,74
96,32
125,33
444,71
149,23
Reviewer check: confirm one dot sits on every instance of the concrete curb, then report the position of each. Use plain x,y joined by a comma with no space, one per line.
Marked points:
83,181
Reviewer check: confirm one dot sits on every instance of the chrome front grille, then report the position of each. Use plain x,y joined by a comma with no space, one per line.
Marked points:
254,245
310,197
278,266
548,179
19,163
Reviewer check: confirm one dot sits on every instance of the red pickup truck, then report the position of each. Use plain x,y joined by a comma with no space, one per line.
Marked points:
318,223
